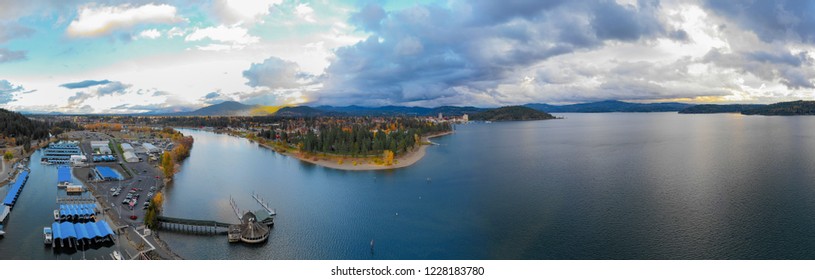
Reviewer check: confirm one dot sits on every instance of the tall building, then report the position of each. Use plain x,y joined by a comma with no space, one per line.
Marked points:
465,118
440,116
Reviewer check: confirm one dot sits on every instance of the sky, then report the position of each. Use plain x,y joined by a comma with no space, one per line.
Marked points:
161,56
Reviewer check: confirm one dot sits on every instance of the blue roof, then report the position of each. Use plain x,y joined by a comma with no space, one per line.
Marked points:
81,210
108,173
64,174
90,230
15,189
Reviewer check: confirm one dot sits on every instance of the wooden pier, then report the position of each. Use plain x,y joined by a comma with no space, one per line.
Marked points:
192,226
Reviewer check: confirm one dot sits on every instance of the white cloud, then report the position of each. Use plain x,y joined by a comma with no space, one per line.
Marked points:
305,12
175,32
150,33
94,20
236,11
234,37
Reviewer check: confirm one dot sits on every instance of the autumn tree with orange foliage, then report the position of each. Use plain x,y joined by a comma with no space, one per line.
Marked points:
387,157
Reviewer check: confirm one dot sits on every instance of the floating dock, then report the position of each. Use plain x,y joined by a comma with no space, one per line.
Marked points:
60,153
63,176
11,198
16,188
80,233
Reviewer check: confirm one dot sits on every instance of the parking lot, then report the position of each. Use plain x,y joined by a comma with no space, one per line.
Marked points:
143,183
141,180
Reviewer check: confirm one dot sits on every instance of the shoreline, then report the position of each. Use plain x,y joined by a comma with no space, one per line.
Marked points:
330,161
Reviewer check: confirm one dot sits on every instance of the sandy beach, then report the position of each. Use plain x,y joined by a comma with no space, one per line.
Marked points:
364,164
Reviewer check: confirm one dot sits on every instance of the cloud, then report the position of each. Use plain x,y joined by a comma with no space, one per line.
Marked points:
794,70
112,88
276,73
77,99
228,37
770,20
8,91
93,89
9,31
7,55
239,11
95,20
429,52
84,84
369,17
304,12
212,95
215,98
150,34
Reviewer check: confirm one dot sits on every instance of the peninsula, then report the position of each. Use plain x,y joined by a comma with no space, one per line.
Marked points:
512,113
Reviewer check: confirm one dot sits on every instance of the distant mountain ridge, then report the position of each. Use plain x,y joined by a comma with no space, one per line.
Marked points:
232,108
226,108
610,106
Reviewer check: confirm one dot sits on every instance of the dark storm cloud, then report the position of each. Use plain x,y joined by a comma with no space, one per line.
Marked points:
613,21
770,20
369,17
491,12
84,84
428,52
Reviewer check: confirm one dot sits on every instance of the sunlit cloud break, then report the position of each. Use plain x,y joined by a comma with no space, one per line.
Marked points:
96,20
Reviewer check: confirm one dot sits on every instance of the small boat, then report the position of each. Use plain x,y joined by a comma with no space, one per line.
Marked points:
47,235
116,255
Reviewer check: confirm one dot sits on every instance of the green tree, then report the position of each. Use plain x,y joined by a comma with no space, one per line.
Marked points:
8,156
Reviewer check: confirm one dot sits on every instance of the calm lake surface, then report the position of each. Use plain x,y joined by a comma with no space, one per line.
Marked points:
590,186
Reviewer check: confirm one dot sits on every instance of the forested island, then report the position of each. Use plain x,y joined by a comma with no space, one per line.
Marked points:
511,113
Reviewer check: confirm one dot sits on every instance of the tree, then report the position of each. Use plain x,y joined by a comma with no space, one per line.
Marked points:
27,144
387,157
168,165
8,156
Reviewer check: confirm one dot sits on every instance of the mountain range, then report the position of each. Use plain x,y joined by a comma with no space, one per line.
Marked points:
232,108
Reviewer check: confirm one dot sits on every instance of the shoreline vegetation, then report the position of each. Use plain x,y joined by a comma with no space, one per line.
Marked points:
349,163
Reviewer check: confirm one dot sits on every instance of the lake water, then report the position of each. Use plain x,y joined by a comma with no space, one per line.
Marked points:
33,211
590,186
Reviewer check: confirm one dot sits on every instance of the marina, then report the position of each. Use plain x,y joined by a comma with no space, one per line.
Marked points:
61,153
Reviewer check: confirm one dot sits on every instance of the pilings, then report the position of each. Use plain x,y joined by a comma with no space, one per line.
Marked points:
192,229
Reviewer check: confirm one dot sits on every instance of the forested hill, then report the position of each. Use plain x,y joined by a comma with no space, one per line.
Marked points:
16,128
713,108
511,113
784,108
